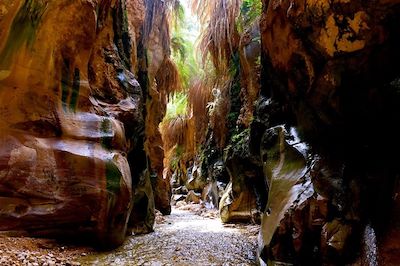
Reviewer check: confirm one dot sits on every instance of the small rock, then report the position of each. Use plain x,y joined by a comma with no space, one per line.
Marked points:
180,190
193,197
176,198
180,204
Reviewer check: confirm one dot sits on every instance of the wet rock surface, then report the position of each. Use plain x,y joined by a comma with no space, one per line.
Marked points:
326,75
185,238
245,194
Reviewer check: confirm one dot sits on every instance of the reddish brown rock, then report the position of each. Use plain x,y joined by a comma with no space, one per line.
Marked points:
320,54
70,109
332,70
162,79
389,244
334,238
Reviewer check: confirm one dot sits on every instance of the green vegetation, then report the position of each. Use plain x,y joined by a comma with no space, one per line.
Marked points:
113,176
176,158
177,106
23,29
219,86
250,12
182,46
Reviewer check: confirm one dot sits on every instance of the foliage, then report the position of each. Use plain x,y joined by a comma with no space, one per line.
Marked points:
225,83
198,98
219,37
177,132
182,46
176,155
177,106
239,144
168,79
179,47
183,55
177,13
250,12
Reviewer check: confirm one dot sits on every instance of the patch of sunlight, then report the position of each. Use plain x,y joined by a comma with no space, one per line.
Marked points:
192,27
199,224
4,74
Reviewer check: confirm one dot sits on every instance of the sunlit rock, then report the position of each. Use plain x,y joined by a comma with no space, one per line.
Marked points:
70,113
193,197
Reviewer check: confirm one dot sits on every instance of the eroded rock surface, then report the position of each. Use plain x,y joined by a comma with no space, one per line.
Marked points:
71,111
330,68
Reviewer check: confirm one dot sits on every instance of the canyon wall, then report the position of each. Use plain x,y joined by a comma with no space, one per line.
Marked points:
72,120
330,98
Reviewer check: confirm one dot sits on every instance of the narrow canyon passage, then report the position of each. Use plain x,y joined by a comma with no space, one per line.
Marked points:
121,121
185,238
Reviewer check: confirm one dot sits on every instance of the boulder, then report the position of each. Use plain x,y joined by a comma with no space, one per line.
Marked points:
211,194
193,197
334,238
177,198
195,180
237,207
180,190
55,187
285,169
244,196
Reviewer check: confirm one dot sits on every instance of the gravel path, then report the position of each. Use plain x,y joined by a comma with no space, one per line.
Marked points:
25,251
184,238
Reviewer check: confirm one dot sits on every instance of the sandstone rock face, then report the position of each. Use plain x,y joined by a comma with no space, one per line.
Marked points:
71,111
161,77
242,199
308,219
331,69
320,56
285,170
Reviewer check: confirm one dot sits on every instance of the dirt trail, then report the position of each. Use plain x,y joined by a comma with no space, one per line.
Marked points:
184,238
26,251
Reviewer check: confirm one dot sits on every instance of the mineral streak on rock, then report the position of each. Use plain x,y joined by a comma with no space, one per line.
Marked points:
70,110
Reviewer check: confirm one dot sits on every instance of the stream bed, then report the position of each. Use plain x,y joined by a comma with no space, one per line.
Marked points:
185,238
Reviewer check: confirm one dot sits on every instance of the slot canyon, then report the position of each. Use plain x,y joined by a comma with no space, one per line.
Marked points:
199,132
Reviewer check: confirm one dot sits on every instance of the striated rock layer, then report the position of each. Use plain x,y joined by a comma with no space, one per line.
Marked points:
70,117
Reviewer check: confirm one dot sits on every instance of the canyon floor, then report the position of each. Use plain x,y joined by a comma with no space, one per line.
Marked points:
191,235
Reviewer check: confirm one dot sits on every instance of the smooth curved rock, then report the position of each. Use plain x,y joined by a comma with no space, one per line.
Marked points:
245,195
70,112
55,186
332,69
